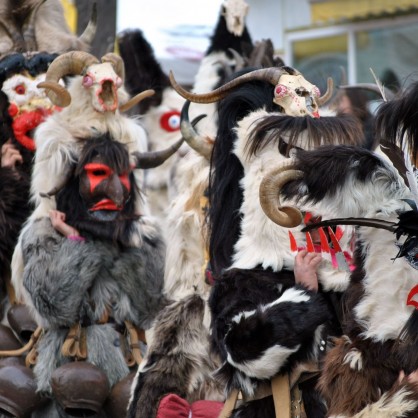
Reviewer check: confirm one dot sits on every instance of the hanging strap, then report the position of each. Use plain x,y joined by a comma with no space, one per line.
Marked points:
75,344
280,388
16,353
135,337
229,404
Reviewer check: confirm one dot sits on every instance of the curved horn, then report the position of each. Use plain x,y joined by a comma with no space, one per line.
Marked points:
195,141
136,99
328,94
371,87
258,54
89,33
117,63
271,75
154,159
29,31
239,60
270,186
70,63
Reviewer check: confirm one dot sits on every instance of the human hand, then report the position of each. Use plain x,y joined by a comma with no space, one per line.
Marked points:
10,156
411,378
58,222
306,265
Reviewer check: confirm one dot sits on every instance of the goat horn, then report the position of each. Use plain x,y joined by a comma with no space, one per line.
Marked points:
117,63
136,99
89,33
271,75
257,54
70,63
328,94
239,60
29,32
270,186
195,141
154,159
371,87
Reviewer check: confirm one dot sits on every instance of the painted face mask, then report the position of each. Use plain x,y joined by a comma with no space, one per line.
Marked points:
28,105
104,190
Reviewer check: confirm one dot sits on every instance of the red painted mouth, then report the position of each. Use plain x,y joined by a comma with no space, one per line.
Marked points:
105,204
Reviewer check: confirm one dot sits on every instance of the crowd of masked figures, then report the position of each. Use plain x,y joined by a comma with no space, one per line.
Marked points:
232,249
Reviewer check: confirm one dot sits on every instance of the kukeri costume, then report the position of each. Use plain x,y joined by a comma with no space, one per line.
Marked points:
361,372
88,293
262,324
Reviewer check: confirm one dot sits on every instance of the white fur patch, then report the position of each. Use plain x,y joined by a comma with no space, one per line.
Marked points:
354,359
266,366
290,295
395,406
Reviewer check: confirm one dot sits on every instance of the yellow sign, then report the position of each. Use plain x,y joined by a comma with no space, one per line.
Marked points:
341,10
70,13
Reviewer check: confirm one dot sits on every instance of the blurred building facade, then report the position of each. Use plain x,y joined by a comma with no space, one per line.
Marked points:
319,37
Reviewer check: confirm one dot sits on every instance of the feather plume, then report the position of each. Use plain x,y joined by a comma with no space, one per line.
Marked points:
379,85
397,157
375,223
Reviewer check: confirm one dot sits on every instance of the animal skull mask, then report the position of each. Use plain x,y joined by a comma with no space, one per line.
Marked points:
234,13
296,96
104,83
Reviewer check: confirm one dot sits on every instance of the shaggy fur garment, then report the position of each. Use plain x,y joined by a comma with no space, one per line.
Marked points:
365,363
177,361
66,282
260,321
52,33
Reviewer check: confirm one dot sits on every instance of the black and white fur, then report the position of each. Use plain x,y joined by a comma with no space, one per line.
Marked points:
342,182
244,243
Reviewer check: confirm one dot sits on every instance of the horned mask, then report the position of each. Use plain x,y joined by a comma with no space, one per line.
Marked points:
292,91
102,79
234,12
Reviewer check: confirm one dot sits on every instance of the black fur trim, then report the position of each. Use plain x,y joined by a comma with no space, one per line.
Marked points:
14,210
396,120
225,193
328,168
319,131
142,69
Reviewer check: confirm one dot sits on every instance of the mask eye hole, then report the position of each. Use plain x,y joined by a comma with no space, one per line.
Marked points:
20,89
99,172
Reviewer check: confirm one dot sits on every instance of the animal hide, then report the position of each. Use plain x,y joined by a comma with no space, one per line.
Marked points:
58,147
367,361
66,282
51,32
177,361
261,323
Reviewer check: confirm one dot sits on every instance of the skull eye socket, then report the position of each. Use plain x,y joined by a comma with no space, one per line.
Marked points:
87,81
280,90
301,92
